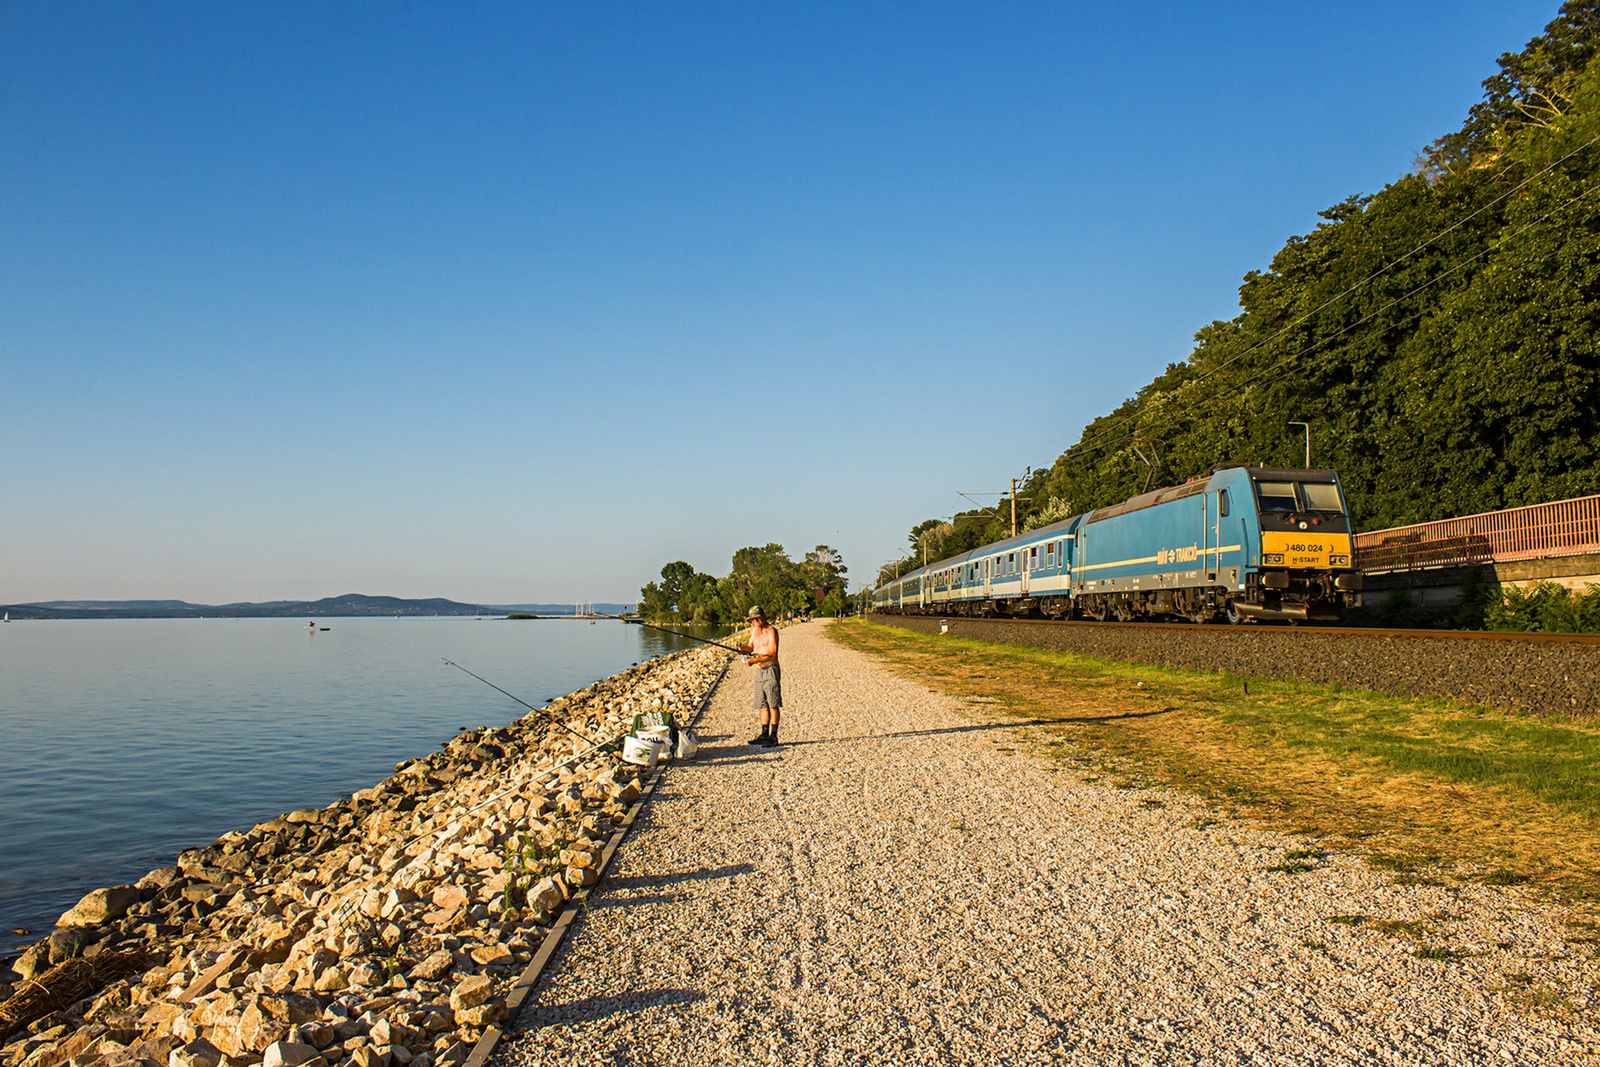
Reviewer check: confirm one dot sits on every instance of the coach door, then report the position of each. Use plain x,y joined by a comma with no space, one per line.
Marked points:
1028,556
988,576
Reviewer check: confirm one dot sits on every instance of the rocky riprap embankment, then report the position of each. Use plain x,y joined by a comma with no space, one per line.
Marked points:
380,931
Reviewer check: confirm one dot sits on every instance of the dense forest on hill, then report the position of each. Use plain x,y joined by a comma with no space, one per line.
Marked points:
1439,335
764,576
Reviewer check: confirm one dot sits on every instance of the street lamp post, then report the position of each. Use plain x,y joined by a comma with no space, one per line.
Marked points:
1306,426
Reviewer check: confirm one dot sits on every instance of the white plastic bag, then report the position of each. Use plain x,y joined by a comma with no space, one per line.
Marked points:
688,744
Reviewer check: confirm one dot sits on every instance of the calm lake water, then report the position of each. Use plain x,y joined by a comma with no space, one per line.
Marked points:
123,742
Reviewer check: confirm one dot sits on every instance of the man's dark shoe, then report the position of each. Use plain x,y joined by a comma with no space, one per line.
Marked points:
760,739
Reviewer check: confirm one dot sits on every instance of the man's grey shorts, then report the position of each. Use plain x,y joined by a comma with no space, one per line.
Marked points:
769,688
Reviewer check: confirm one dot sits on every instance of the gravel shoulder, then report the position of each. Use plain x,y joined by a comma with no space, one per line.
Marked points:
900,882
1529,676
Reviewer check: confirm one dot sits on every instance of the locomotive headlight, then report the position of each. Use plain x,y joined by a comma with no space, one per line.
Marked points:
1269,558
1338,561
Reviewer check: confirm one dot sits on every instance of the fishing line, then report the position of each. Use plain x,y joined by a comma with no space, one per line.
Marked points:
675,633
542,711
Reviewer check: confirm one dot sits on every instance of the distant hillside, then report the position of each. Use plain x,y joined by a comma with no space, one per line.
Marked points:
347,606
351,605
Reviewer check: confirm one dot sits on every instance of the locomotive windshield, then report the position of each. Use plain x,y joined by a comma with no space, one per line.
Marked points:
1299,496
1277,496
1322,497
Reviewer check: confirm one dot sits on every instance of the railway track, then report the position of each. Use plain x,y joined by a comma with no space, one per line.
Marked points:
1252,628
1555,674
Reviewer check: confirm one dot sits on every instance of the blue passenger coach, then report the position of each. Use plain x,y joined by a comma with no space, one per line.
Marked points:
1241,543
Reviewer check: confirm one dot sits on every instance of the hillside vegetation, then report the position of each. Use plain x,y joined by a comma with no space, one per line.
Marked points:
1440,335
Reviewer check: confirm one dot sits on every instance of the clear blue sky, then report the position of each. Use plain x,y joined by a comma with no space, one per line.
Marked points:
517,303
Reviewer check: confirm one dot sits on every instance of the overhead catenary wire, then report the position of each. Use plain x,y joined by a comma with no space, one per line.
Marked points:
1431,282
1110,432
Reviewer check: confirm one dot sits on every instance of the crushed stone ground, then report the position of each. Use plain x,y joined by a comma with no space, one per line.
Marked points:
899,883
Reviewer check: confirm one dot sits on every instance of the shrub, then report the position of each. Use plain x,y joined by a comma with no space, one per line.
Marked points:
1545,607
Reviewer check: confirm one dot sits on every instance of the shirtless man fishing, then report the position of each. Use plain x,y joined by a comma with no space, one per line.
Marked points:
762,654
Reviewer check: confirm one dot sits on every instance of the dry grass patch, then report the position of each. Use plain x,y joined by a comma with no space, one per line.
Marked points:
1419,786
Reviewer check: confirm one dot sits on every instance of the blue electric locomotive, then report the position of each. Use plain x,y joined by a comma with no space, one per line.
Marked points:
1239,543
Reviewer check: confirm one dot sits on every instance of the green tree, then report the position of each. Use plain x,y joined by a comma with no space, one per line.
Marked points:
762,575
682,595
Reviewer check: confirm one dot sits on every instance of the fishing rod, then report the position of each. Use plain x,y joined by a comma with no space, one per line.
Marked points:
675,633
543,711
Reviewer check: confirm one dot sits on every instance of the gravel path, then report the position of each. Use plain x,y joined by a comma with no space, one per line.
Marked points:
899,884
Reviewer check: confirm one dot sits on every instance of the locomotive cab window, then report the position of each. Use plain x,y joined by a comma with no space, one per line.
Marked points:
1322,497
1222,503
1277,496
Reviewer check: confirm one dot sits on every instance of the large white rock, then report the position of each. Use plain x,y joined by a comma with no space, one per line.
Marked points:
470,993
101,906
197,1053
546,896
289,1054
434,966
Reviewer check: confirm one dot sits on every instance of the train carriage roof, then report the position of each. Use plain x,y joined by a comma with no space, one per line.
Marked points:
1197,485
1067,526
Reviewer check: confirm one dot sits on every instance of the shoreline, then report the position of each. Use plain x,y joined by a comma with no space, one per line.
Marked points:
382,929
133,740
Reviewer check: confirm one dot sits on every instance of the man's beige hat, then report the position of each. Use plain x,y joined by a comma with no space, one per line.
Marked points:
754,612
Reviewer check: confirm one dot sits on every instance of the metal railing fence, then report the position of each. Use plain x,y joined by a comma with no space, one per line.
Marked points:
1559,528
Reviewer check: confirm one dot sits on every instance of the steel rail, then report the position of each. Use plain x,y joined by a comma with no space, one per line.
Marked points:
1247,629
